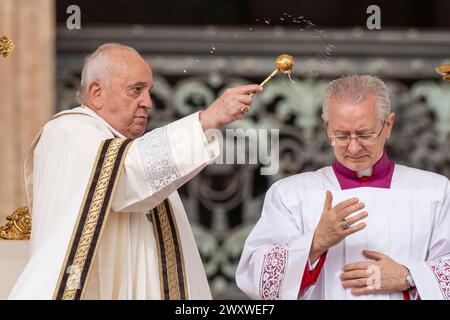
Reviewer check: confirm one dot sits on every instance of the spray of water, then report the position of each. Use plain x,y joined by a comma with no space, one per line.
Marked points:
322,59
289,76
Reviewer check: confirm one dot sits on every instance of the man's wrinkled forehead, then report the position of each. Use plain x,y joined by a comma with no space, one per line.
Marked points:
344,114
130,68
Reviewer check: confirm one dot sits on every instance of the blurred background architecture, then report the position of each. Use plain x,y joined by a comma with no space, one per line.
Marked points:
197,49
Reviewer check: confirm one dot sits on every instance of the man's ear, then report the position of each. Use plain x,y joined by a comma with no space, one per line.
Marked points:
95,95
390,123
325,124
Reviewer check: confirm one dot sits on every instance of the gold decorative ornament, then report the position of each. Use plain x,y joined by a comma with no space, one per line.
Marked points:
6,46
444,71
18,226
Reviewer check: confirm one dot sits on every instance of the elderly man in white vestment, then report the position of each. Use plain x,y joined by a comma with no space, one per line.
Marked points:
383,231
108,222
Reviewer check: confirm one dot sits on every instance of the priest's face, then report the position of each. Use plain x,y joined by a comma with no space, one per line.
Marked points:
127,94
360,119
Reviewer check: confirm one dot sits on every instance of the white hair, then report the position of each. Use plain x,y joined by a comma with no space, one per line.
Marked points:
97,66
355,88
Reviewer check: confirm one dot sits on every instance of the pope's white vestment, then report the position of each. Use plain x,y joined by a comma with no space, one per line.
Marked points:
409,222
57,170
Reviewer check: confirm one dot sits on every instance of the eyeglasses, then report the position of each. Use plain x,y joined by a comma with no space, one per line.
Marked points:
364,139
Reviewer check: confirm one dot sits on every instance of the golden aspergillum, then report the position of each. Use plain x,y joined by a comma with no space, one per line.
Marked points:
283,63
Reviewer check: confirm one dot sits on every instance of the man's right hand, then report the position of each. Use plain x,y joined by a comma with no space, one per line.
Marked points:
226,108
333,227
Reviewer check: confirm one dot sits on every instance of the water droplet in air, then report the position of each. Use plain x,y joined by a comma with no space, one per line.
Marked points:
289,75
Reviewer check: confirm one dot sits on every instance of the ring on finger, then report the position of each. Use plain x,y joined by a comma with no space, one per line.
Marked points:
244,109
344,224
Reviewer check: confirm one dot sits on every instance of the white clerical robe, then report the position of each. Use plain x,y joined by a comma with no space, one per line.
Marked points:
410,222
57,170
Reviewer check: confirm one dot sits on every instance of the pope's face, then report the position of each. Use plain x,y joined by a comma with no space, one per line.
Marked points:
127,96
358,119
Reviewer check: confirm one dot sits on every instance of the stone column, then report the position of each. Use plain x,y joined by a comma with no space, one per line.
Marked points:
27,90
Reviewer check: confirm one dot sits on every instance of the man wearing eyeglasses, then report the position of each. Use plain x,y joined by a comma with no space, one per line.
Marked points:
383,231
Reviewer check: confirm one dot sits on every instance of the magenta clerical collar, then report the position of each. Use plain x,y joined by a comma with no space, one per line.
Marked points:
381,175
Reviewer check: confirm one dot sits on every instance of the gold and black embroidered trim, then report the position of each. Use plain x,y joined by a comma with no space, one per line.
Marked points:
171,263
93,213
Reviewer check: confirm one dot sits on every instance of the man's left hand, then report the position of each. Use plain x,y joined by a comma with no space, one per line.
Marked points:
384,275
